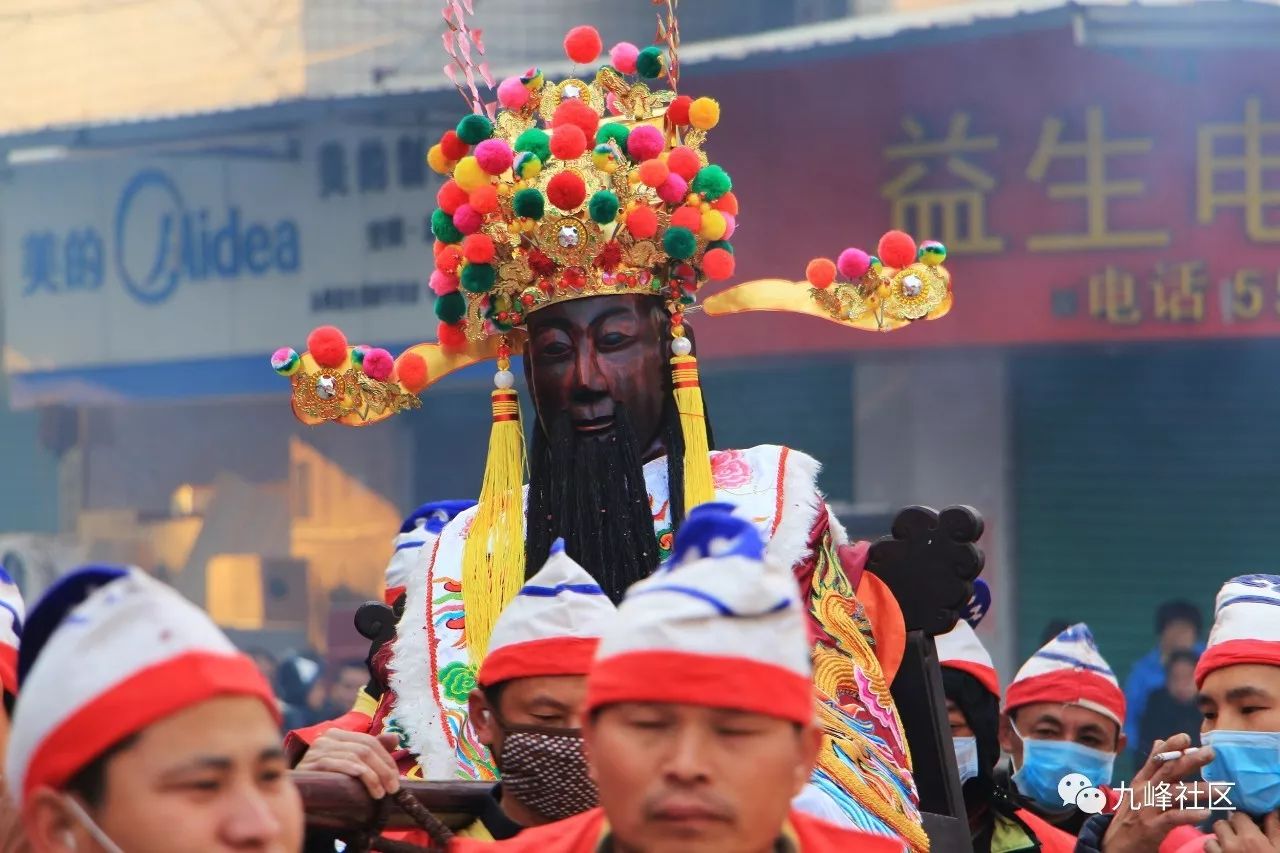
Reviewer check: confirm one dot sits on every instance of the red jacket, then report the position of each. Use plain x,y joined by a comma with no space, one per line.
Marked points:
583,833
1052,839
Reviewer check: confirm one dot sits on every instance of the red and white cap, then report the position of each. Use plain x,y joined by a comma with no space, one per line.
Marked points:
717,627
12,612
1068,670
961,649
1246,625
112,659
552,627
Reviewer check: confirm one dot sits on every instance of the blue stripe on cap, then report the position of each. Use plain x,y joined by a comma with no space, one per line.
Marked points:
552,591
65,594
434,515
701,595
1250,599
1076,662
417,543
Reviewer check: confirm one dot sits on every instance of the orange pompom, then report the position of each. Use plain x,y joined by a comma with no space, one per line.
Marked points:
568,142
727,203
575,111
717,264
684,161
652,173
328,346
450,197
642,222
438,246
678,111
897,249
583,44
447,260
567,191
820,272
687,217
484,199
452,336
478,248
411,371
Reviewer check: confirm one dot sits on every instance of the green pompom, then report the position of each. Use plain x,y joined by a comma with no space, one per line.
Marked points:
603,207
451,307
650,62
536,141
720,244
478,278
442,227
528,203
614,131
679,243
474,129
711,182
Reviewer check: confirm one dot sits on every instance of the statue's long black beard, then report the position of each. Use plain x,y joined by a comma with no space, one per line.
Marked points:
591,491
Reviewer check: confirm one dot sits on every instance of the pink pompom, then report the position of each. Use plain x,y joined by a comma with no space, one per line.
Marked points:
623,56
730,225
512,93
612,103
673,189
853,263
378,364
494,156
467,219
645,142
442,283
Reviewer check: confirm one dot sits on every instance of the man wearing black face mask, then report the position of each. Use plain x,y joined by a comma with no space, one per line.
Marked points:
526,708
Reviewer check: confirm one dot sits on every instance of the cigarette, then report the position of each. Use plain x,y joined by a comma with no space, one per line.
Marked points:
1174,755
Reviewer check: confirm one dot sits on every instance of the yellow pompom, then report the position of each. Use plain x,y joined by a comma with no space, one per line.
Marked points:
468,175
713,225
437,161
704,113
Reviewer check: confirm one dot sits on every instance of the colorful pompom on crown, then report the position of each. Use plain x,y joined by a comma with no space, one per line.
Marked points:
899,284
578,189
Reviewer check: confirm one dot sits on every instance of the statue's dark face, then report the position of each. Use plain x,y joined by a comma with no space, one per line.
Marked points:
586,356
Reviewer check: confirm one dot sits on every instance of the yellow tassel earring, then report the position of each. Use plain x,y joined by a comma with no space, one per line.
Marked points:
493,557
699,488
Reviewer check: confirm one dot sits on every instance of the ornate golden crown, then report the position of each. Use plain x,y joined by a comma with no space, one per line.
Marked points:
614,194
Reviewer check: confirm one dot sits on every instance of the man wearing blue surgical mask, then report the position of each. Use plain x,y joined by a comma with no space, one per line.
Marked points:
973,709
1239,682
1063,716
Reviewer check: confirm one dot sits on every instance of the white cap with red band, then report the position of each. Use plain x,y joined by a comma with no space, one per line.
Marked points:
1068,670
1246,625
552,627
131,653
12,613
717,627
961,649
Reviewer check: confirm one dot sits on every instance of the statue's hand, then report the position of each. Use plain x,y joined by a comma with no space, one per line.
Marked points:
359,756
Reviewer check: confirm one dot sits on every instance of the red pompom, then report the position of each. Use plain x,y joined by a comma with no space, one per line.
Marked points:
568,142
447,260
478,248
411,370
897,250
452,147
583,44
678,111
450,197
820,272
687,217
717,264
328,346
727,203
452,336
642,222
684,161
484,199
567,191
575,111
653,173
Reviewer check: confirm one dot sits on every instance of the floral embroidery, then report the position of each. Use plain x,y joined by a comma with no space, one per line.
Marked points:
394,728
730,469
457,680
666,538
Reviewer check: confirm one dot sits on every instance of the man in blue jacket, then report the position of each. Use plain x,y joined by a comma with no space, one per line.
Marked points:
1178,626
